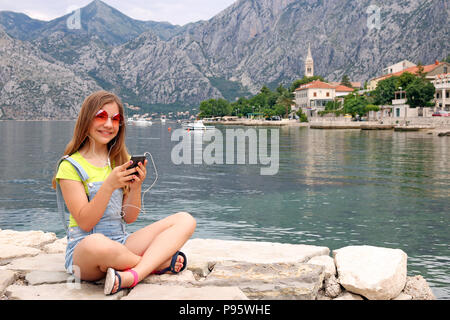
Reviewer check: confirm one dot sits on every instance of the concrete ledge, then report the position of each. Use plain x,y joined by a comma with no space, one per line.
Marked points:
335,126
161,292
217,269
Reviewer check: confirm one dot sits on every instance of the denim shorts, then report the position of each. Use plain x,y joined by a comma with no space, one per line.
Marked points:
114,230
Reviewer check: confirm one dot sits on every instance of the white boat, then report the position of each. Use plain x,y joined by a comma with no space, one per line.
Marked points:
197,125
142,122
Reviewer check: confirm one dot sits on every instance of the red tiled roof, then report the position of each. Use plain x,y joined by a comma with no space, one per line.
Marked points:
354,84
341,88
316,84
413,70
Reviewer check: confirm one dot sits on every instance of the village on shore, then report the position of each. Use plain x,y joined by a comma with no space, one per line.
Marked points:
333,105
404,97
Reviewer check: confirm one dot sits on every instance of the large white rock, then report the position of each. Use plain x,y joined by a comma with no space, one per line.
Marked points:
41,262
418,289
279,281
348,296
182,278
35,278
159,292
61,291
34,239
327,262
59,246
7,277
373,272
203,253
9,252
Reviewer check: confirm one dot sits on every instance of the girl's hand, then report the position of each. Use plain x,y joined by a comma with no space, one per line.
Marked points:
139,176
120,176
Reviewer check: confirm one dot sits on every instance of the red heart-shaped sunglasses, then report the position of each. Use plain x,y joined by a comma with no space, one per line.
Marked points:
102,116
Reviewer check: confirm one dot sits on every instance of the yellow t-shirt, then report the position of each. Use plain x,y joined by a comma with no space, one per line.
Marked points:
67,171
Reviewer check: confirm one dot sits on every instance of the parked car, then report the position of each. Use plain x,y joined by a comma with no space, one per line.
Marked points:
441,113
276,118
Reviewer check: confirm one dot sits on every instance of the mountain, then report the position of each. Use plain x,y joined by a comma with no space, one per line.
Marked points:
250,44
19,25
97,19
34,86
260,42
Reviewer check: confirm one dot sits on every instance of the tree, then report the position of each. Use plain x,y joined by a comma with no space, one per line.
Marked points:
355,104
280,110
447,59
420,73
405,79
371,107
420,93
385,91
285,100
268,112
303,117
333,105
214,108
346,81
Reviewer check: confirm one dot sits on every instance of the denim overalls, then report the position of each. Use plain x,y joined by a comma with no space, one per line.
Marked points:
110,225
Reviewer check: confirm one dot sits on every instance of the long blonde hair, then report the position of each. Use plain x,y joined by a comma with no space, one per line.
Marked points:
118,151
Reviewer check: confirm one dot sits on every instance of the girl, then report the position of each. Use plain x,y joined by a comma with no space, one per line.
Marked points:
102,195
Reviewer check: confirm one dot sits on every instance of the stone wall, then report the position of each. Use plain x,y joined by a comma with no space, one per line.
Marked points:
32,268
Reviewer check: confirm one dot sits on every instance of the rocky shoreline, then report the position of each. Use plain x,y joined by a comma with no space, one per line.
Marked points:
32,268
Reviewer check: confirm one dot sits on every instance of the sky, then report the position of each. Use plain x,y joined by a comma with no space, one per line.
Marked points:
174,11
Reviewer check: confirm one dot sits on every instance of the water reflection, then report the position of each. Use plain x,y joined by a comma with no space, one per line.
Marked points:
334,188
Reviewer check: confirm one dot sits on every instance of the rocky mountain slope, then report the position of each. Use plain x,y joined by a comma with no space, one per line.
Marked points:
33,86
250,44
96,19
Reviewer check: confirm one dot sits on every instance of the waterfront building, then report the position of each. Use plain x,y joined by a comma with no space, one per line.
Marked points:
441,83
400,108
430,72
313,97
399,66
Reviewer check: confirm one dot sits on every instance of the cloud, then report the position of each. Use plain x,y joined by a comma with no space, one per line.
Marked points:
174,11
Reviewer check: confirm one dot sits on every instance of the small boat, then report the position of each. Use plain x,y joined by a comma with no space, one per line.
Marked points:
142,122
197,125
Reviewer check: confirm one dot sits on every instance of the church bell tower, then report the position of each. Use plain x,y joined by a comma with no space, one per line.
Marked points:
309,63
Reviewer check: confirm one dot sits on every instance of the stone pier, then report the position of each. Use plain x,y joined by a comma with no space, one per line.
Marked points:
32,268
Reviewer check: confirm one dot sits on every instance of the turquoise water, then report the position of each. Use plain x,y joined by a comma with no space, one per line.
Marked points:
334,188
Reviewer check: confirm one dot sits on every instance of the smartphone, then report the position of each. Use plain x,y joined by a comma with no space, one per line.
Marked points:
136,160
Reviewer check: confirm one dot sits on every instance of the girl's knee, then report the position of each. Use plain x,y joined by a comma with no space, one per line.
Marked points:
97,244
187,219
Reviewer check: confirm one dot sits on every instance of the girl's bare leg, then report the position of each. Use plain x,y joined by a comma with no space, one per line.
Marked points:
157,243
148,249
96,253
